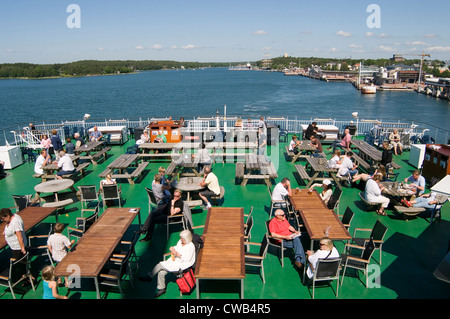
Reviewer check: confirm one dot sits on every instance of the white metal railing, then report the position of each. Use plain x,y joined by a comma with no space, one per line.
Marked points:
202,124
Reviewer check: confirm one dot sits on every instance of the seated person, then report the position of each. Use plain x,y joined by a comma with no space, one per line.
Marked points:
70,148
238,123
373,194
162,172
107,181
203,157
161,192
95,135
326,250
281,190
160,138
280,228
182,257
344,143
311,130
315,142
417,181
365,177
210,181
159,215
394,138
336,160
144,138
348,168
66,165
41,161
294,144
79,140
327,190
427,201
386,155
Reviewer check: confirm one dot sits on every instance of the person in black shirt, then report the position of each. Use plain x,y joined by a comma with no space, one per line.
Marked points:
311,130
159,215
386,156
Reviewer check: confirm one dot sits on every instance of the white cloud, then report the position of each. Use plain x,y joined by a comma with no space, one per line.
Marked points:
429,36
439,49
355,46
189,47
344,34
333,50
139,47
369,34
386,48
156,47
100,49
410,43
173,47
9,50
260,32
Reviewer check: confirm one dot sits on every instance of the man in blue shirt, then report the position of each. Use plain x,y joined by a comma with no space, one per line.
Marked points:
95,135
418,181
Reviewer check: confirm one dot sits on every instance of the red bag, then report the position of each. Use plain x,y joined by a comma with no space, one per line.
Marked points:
187,282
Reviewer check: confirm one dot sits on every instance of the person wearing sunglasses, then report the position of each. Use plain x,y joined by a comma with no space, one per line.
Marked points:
159,215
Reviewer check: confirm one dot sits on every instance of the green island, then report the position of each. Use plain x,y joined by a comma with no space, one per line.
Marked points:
95,67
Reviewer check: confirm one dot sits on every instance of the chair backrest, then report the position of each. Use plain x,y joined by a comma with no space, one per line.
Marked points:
368,250
88,193
249,226
91,219
348,216
110,191
378,231
22,201
334,199
327,268
263,247
18,263
151,197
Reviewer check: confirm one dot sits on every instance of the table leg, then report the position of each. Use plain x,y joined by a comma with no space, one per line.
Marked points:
242,288
198,288
97,288
313,178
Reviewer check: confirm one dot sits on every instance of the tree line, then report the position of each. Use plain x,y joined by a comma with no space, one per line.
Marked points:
92,67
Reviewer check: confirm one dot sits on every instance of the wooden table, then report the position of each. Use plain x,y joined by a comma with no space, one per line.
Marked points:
222,255
370,153
89,148
319,166
317,218
31,216
122,164
184,163
93,250
188,185
304,149
257,167
231,150
145,149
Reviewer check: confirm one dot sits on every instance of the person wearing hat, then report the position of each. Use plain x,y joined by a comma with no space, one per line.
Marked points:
280,229
327,190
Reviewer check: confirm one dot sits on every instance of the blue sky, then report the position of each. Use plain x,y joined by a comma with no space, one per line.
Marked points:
220,31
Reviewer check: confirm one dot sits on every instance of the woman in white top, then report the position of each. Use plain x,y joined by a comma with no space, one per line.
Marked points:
15,237
373,193
327,190
107,181
394,138
336,160
326,251
182,257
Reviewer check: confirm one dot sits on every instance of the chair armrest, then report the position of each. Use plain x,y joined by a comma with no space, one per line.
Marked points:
354,246
360,229
254,244
253,257
358,259
108,276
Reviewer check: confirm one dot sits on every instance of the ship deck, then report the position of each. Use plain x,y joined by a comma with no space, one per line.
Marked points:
411,252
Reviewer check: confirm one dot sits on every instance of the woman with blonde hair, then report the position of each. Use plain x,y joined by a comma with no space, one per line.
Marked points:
326,250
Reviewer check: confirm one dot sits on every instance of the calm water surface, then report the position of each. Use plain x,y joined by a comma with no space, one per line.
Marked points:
192,93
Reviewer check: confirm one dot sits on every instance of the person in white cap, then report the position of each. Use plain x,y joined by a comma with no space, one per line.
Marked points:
327,190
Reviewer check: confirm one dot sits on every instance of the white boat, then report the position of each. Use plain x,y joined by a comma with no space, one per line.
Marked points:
369,89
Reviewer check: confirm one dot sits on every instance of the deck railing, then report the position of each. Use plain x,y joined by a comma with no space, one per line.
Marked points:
201,124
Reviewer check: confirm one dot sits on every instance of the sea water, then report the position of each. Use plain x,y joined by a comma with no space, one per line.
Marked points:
192,93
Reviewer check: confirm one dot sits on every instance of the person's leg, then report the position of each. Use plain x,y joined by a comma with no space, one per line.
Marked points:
155,217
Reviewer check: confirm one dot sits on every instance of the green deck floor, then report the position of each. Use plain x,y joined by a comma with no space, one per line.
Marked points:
411,252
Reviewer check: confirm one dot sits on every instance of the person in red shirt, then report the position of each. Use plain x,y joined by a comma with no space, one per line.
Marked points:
280,228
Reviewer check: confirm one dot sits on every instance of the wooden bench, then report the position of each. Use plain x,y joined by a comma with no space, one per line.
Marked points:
101,153
239,172
409,211
218,198
136,174
302,172
369,205
361,163
58,204
155,155
105,172
78,169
